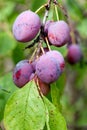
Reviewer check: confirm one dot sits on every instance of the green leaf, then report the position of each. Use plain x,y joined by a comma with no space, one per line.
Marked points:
35,5
55,95
25,109
62,50
74,9
82,121
6,83
82,28
7,44
47,118
6,9
56,120
60,83
18,53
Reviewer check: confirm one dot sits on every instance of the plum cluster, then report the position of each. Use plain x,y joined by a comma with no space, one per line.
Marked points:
45,70
49,65
27,25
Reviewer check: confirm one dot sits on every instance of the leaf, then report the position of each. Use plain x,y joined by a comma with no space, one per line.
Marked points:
57,89
47,118
82,28
62,49
60,83
35,5
18,53
7,44
55,95
56,120
25,109
6,12
2,105
82,121
74,9
6,83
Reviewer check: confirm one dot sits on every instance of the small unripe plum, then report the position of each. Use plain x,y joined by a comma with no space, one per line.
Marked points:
74,54
26,26
58,33
22,73
48,69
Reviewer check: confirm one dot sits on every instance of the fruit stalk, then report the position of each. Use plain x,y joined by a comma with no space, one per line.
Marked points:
56,12
39,9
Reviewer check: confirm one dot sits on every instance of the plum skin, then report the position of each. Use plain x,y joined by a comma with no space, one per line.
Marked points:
58,33
22,73
47,24
74,54
58,56
48,69
26,26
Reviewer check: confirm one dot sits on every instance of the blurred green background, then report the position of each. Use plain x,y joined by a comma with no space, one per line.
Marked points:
73,82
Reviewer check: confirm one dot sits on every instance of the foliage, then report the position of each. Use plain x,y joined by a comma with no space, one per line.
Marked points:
30,111
70,90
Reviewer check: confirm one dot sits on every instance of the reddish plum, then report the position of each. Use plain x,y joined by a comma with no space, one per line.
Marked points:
58,33
22,73
26,26
48,69
74,54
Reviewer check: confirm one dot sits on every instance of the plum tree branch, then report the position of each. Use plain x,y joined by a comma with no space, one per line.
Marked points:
47,7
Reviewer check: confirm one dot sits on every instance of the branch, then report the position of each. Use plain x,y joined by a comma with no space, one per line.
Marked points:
33,43
47,7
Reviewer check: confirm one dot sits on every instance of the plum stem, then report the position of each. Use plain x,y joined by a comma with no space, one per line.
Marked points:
38,87
39,9
33,54
41,47
56,10
33,43
48,44
45,17
63,9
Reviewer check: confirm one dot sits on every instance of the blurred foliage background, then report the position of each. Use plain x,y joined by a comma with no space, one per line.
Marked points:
73,83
